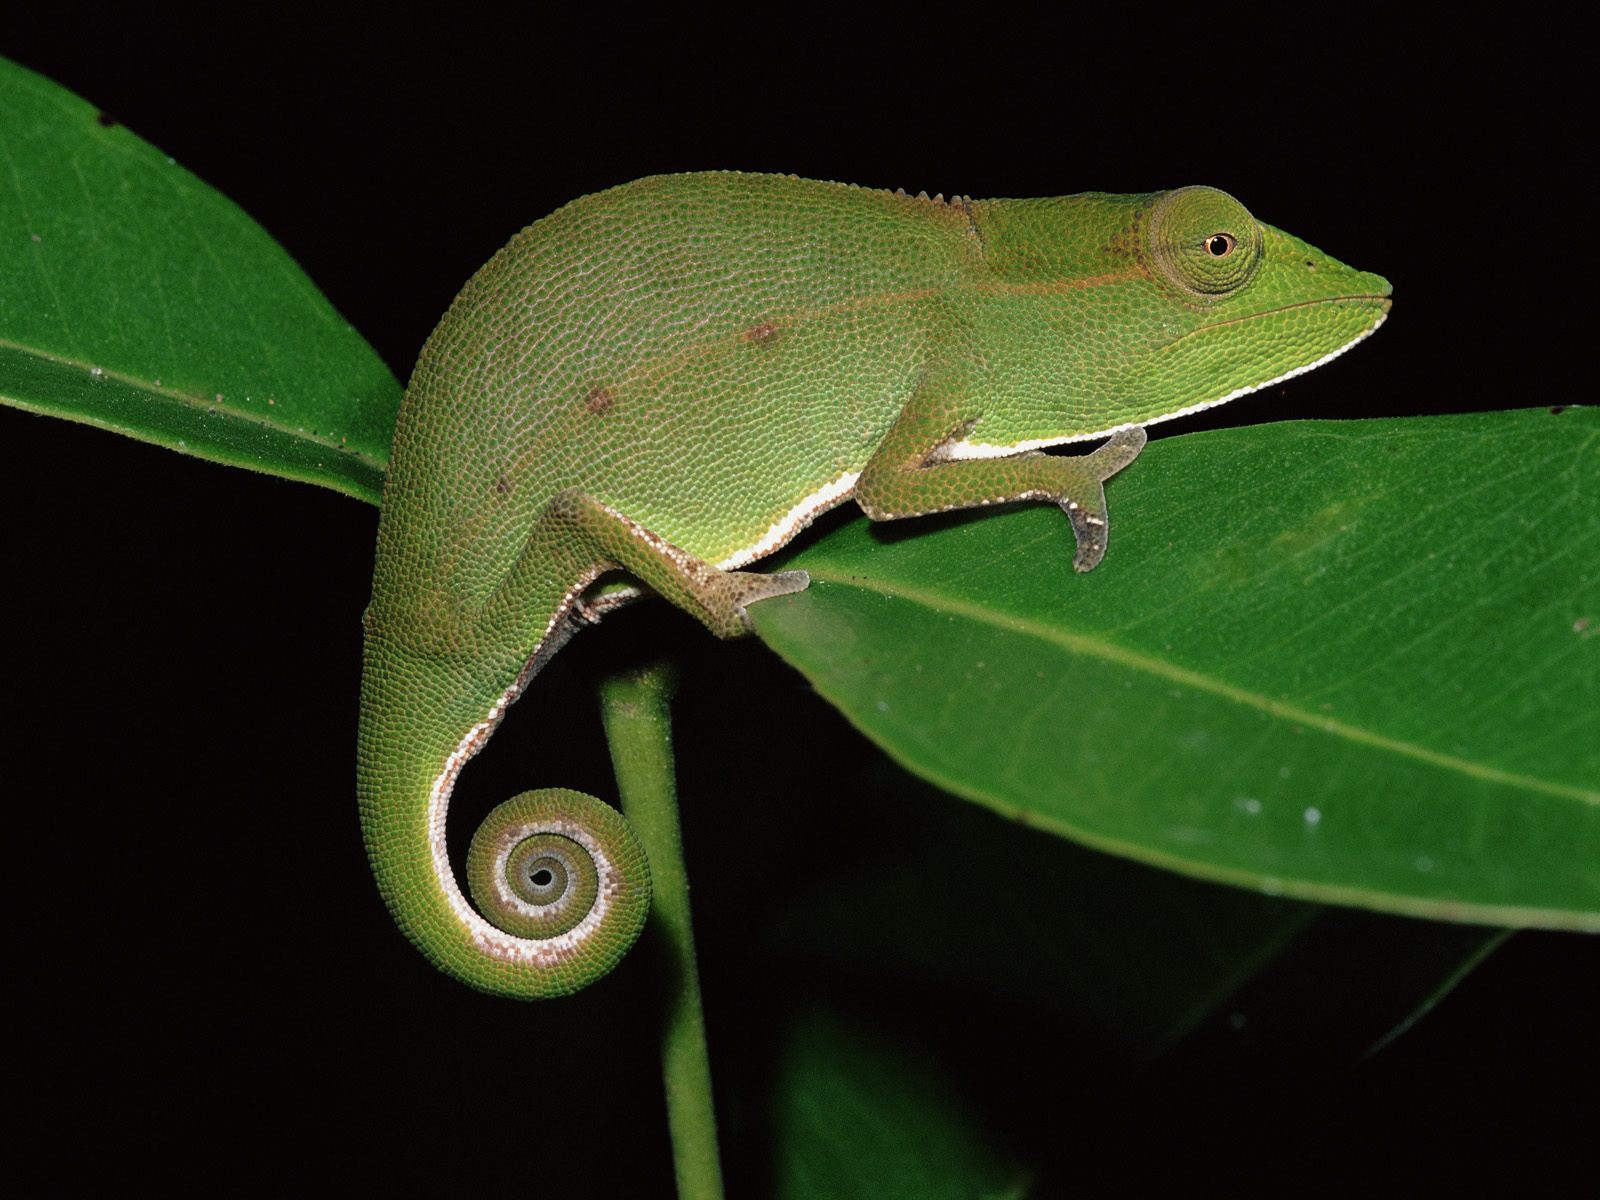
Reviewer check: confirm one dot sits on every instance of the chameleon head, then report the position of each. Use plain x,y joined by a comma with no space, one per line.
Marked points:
1248,305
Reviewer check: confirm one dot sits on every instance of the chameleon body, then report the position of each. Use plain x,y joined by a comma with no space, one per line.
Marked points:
672,378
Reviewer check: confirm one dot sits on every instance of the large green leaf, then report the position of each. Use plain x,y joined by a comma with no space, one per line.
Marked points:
1352,662
136,298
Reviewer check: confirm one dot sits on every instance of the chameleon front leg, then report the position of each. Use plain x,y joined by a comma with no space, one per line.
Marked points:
908,475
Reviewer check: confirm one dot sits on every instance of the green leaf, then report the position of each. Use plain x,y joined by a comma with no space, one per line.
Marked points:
1353,662
138,299
856,1114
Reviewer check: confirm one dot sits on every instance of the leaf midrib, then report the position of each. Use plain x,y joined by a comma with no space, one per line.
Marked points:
1110,652
194,402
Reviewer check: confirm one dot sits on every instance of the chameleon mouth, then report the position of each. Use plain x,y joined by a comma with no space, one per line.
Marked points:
1382,301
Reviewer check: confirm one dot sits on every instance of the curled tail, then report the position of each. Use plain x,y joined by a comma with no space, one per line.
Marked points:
561,886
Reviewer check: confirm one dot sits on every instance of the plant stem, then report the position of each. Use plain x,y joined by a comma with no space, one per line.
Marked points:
636,708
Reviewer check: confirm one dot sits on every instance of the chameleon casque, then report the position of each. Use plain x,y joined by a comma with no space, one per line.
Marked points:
672,378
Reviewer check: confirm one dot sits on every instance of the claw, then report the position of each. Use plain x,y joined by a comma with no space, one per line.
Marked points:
757,587
1089,527
1120,450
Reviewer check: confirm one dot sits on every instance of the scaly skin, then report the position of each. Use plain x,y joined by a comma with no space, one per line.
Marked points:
674,376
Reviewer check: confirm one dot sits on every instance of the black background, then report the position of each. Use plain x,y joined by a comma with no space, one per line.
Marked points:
208,973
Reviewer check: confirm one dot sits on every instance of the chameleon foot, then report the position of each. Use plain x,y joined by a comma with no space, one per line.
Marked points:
1088,516
753,586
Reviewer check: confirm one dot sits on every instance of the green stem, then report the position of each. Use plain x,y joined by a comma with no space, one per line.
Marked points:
639,729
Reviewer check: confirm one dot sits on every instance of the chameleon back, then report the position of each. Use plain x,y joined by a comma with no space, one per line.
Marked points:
695,351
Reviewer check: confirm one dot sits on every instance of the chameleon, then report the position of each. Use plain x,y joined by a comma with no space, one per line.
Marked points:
671,379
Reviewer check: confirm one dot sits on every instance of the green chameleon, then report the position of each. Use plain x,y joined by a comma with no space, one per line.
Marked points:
672,379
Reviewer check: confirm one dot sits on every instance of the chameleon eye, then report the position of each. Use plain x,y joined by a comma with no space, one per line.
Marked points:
1204,241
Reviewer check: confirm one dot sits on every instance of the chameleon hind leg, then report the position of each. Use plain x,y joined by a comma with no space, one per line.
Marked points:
576,538
911,474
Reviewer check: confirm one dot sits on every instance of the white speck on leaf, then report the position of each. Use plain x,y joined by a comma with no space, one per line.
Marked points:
1424,863
97,372
1247,804
883,706
1313,817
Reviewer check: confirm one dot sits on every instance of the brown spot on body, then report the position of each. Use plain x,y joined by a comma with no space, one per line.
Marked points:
1135,245
763,334
106,120
598,400
1118,246
502,485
